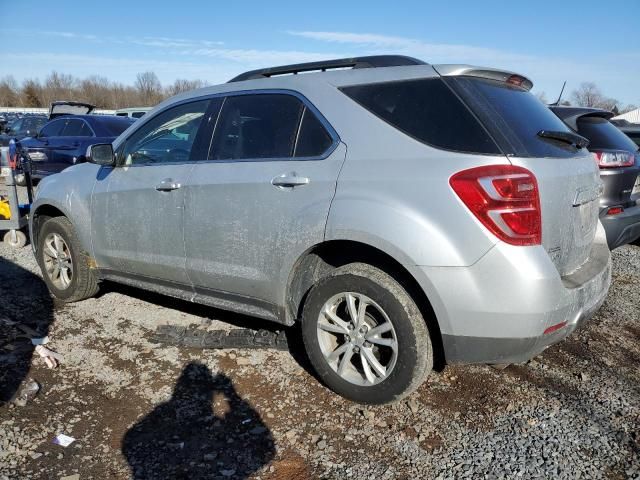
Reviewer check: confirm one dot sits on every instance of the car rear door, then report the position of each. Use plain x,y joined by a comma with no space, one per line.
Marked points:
138,206
261,198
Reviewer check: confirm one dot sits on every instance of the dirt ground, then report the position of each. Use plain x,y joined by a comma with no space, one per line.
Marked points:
138,409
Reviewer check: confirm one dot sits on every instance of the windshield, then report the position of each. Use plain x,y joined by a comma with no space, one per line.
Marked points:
603,135
514,117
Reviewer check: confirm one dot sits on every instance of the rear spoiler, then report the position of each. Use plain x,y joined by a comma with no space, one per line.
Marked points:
570,115
513,78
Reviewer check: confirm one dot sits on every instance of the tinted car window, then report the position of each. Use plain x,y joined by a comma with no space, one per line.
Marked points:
514,117
603,135
52,129
114,126
167,137
256,126
313,138
635,136
138,114
16,126
76,128
34,124
426,110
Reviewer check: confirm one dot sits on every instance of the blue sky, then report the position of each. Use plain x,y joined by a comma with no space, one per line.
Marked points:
549,41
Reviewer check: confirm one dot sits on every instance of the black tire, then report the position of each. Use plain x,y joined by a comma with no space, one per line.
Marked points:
414,350
83,283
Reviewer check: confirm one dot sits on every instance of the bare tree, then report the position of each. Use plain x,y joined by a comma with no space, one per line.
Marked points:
149,87
31,94
9,92
589,95
182,85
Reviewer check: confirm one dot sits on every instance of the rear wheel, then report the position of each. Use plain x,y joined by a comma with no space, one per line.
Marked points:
64,266
365,335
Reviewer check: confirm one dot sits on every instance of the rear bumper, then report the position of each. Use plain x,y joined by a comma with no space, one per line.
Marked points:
623,228
497,310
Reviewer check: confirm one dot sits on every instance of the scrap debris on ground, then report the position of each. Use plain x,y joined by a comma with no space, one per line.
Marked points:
140,401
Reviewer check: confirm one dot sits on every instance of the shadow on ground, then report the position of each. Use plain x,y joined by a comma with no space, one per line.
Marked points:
24,301
204,431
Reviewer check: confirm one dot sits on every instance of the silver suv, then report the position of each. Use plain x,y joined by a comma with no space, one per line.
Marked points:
403,213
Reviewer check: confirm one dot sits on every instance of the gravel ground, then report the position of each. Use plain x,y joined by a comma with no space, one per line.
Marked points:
143,410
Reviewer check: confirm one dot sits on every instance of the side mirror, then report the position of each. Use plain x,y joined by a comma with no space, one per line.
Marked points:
101,154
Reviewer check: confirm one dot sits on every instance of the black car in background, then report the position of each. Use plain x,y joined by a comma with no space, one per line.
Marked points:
22,127
63,141
619,160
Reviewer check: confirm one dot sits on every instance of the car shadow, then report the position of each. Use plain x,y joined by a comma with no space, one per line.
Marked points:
24,302
206,430
293,333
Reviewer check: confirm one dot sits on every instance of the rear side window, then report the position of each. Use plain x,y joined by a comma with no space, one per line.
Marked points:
76,128
256,126
313,138
513,116
114,126
426,110
603,135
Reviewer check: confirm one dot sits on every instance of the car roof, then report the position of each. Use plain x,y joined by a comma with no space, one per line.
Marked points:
570,115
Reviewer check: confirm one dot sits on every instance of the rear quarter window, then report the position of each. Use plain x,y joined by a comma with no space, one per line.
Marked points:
427,110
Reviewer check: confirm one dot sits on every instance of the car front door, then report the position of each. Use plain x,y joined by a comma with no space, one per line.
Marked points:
260,200
39,148
66,148
138,206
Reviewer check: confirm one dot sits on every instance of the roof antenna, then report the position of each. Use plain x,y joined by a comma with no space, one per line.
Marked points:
557,102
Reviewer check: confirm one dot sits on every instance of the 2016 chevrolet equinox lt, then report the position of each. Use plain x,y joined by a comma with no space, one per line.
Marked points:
400,211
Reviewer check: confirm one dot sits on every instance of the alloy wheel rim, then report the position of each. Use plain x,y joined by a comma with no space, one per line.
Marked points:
57,261
357,339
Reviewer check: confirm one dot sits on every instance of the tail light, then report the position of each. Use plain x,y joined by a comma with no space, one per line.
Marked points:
615,211
506,200
614,159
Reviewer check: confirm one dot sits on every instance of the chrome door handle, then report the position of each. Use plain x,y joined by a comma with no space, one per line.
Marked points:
289,180
167,185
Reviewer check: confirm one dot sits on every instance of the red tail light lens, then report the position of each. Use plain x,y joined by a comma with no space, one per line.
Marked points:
506,200
615,211
614,159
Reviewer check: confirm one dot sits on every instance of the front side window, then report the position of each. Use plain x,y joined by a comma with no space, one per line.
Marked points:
427,110
52,129
257,126
168,137
76,128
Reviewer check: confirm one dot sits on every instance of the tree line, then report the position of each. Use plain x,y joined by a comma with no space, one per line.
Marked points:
147,91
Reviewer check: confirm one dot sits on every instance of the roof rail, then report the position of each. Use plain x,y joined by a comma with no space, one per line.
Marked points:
373,61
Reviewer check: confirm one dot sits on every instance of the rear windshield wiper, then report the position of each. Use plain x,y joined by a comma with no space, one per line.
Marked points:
567,137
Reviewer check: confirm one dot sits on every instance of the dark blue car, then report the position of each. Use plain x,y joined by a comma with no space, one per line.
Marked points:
63,141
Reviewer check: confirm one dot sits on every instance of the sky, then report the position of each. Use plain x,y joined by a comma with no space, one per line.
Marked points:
548,41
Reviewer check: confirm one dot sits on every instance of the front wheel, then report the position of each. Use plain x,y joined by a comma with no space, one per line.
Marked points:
64,266
365,336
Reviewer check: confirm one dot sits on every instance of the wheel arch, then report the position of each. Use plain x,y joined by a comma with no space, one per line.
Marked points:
322,258
40,215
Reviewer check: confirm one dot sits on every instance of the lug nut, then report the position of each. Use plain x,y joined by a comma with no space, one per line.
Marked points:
356,349
367,345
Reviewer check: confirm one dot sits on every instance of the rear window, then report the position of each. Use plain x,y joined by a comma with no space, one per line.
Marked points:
114,126
603,135
426,110
513,116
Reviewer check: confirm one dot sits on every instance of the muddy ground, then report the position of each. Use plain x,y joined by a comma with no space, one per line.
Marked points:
143,410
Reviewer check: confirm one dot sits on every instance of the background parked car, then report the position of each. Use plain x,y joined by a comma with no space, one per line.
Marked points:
63,141
618,159
134,112
22,127
632,131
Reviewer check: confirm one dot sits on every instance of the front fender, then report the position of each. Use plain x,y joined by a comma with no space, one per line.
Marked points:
70,193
